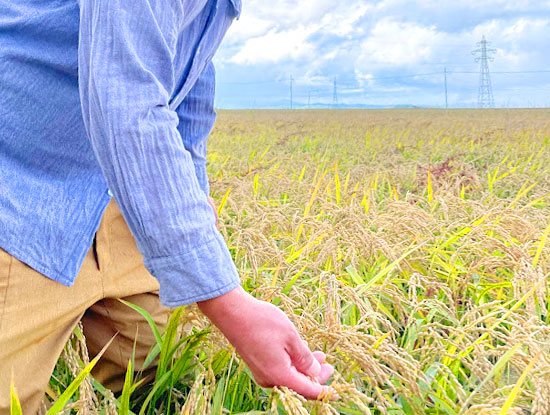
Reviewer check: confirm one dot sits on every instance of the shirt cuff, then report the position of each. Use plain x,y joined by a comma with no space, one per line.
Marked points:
197,275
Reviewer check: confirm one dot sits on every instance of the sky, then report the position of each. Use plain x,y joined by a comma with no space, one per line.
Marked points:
383,53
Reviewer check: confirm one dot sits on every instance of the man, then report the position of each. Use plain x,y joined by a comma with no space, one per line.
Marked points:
115,97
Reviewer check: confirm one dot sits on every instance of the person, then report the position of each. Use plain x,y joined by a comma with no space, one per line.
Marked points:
114,98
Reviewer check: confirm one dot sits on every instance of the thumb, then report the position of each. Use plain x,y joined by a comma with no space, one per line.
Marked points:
303,359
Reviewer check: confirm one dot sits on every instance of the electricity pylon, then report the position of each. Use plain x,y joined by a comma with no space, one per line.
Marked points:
485,98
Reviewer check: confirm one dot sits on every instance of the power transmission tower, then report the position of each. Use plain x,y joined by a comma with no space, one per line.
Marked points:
335,94
485,98
291,80
446,99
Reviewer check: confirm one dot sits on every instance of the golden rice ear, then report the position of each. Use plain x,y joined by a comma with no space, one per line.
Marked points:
328,393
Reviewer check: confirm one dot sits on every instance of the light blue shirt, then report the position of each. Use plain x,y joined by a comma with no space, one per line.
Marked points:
112,96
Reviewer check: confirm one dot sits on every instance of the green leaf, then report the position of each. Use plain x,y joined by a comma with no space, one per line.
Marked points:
15,407
354,275
153,354
147,317
159,385
127,389
170,334
217,400
71,389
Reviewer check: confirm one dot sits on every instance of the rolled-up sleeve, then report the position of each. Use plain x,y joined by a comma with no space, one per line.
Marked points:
126,79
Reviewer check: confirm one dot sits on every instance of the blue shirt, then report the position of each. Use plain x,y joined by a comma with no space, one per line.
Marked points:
101,97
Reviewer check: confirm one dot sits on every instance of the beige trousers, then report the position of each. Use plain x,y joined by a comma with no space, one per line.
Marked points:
38,315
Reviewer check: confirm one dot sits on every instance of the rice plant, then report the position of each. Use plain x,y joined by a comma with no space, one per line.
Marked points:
411,246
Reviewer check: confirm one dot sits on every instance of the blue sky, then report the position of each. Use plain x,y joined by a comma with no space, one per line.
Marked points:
387,52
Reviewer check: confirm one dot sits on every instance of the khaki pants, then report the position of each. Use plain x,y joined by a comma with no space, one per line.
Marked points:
38,315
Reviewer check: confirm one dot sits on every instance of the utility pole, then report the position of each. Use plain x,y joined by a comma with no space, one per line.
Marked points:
291,80
308,97
335,94
485,98
446,99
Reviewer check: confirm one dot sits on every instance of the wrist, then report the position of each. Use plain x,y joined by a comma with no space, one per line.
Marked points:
224,306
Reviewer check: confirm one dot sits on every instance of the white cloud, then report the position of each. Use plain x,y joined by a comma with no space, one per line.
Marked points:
471,6
279,30
342,21
275,46
247,27
398,44
291,12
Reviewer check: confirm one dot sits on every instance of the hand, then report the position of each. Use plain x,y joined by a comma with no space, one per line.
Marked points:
211,203
268,343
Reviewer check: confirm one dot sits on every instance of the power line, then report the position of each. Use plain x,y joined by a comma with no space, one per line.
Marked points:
351,81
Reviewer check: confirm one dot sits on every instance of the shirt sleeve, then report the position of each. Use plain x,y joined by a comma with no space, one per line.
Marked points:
126,79
196,118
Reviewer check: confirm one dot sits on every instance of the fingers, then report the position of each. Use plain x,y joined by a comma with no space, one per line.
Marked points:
304,386
320,356
326,369
326,372
302,358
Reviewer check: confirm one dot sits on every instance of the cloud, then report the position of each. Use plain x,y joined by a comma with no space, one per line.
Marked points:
275,46
399,43
384,46
249,26
286,30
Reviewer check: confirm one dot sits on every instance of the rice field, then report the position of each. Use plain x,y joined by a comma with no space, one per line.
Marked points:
411,246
